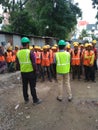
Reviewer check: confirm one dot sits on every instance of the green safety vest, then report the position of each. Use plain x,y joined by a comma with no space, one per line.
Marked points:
62,62
24,60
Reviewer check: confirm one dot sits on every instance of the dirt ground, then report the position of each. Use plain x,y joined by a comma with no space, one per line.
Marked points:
80,114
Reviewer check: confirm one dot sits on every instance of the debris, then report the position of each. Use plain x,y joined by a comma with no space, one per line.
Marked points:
88,87
27,117
26,107
21,113
96,120
16,107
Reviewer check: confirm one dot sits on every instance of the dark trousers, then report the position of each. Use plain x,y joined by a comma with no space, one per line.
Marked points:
75,71
53,70
89,73
95,64
11,66
39,71
29,78
46,69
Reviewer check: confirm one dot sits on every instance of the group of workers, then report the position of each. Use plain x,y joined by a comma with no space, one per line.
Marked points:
48,62
83,60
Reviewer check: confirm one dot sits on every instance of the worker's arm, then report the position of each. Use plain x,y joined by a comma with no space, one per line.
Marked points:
32,57
92,60
17,64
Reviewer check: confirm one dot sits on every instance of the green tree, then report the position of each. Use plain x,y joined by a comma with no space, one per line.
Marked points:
56,18
21,21
95,6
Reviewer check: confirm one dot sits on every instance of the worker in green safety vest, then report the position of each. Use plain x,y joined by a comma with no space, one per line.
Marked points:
26,61
62,61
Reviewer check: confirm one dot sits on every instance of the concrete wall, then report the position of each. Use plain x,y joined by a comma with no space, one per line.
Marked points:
2,39
15,39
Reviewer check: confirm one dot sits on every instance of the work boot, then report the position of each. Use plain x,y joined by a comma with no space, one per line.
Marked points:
39,101
26,101
60,100
70,98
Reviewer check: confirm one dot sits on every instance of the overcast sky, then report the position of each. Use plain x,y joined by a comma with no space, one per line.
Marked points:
88,12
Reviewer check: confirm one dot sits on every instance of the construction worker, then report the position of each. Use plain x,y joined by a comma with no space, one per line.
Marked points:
88,62
38,61
62,60
68,48
45,63
2,61
26,60
10,59
51,57
75,61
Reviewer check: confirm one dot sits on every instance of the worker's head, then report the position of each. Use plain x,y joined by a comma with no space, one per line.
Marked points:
86,45
31,48
16,47
61,44
25,41
75,43
45,48
75,46
68,46
90,46
9,48
54,49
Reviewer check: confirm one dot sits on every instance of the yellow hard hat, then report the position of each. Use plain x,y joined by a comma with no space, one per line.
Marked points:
54,48
39,47
10,48
86,44
76,43
30,47
68,46
45,47
90,44
35,47
16,46
94,41
82,45
55,45
48,46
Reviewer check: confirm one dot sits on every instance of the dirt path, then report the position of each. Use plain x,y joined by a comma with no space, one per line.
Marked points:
80,114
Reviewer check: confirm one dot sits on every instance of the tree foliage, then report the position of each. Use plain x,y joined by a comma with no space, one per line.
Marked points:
95,6
59,15
55,18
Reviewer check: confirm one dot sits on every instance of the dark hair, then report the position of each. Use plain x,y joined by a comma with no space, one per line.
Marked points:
61,47
24,44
